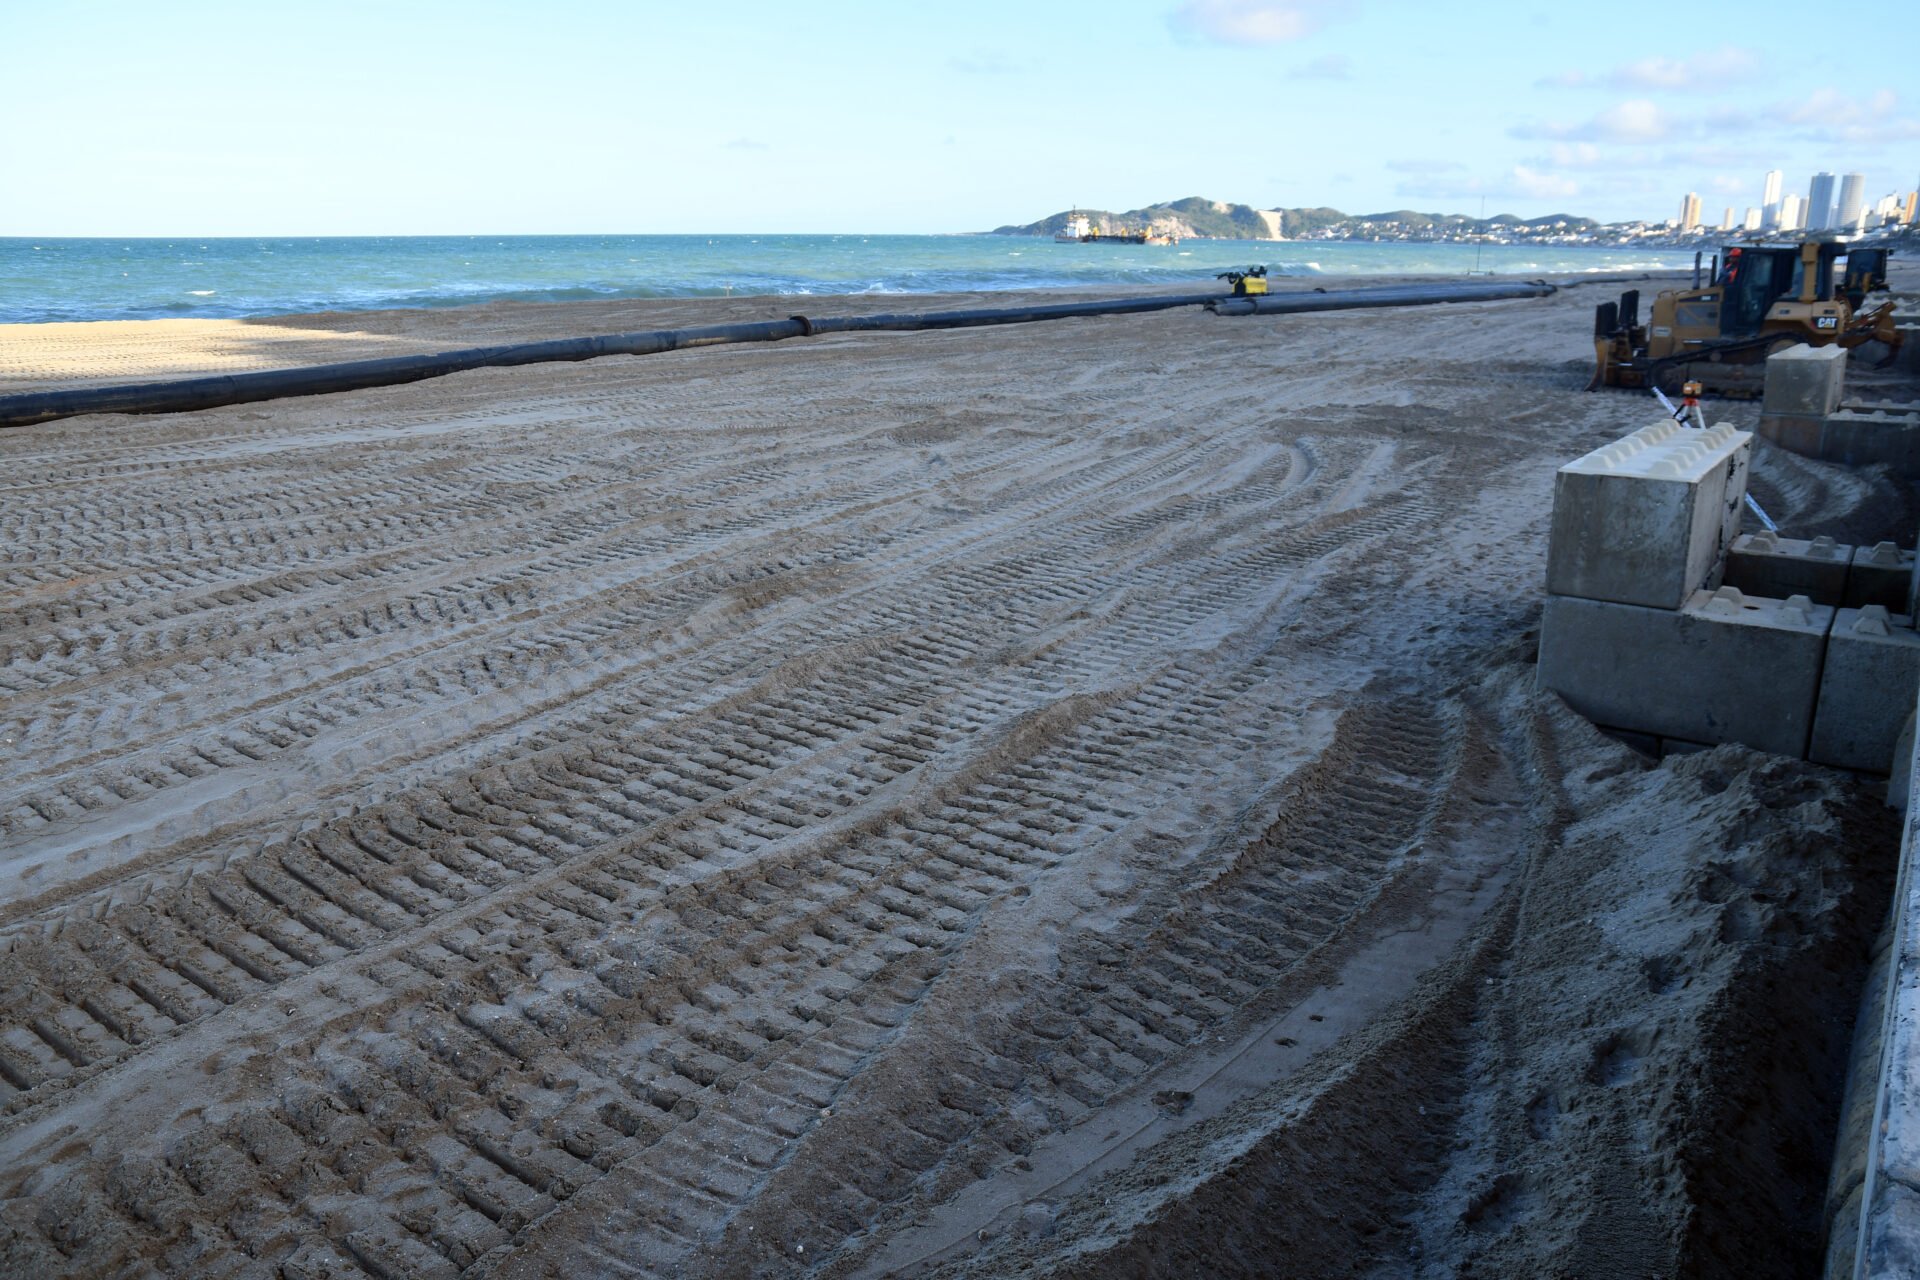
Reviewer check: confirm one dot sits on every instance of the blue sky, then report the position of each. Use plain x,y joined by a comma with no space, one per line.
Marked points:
281,117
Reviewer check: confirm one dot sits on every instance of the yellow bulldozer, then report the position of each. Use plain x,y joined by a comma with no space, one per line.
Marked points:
1763,296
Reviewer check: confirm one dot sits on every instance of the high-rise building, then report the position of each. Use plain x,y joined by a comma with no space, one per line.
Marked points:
1913,207
1690,212
1853,200
1752,220
1820,202
1886,210
1770,199
1726,223
1789,212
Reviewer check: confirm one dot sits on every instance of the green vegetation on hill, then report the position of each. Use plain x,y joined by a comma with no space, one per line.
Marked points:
1193,216
1197,216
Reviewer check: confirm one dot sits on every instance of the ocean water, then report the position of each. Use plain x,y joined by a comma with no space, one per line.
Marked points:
119,279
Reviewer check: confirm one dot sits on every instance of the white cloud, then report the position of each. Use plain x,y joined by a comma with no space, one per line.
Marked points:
1822,106
1330,66
1519,182
1596,161
1824,116
1832,116
1637,120
1252,21
1707,72
1574,155
1542,186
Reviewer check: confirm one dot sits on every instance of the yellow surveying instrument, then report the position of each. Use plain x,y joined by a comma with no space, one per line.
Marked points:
1246,284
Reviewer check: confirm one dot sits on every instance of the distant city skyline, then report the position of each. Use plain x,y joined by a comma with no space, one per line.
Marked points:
1825,207
218,117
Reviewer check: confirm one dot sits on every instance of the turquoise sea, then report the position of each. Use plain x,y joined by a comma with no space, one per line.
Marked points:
118,279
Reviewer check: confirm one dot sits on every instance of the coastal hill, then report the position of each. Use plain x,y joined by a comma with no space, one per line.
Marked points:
1196,217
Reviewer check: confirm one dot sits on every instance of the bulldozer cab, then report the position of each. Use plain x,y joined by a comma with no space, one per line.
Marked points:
1752,279
1866,270
1755,277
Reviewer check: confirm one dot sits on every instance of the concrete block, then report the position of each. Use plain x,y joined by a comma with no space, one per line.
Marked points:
1853,1138
1805,380
1645,519
1891,1208
1724,668
1900,783
1766,564
1893,1234
1881,574
1911,405
1644,743
1881,1042
1871,438
1733,505
1867,690
1913,594
1795,432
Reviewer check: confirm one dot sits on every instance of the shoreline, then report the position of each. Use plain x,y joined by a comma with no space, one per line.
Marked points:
184,279
70,354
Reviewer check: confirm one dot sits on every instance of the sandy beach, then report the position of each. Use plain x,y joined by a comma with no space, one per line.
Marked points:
1066,799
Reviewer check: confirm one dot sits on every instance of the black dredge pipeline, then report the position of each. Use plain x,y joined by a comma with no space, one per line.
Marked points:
186,394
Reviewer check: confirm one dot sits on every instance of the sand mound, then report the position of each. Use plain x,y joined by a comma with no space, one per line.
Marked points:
1632,1070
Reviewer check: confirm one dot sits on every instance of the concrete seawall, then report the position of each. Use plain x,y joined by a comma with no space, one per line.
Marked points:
1873,1200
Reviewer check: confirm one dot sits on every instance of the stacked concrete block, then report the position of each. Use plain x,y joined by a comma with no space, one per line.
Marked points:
1881,574
1872,437
1722,668
1645,520
1640,636
1906,322
1803,385
1867,689
1805,412
1766,564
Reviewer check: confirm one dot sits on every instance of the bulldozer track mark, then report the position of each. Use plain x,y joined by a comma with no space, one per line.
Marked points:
251,740
263,918
1111,1015
906,891
534,817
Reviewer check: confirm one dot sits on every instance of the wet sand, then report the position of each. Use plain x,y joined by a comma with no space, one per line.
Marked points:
1065,799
